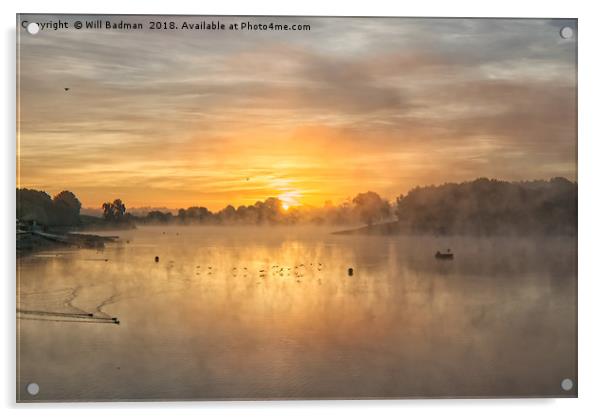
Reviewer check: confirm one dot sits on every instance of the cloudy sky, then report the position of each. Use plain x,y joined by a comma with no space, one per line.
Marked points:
181,118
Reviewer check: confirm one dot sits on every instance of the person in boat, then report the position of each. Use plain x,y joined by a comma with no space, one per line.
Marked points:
445,255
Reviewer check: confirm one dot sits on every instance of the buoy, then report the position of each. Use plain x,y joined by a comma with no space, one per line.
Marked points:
350,272
156,259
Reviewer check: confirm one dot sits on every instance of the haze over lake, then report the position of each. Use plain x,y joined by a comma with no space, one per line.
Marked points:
271,312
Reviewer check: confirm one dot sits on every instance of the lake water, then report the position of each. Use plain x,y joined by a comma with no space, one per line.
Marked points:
268,313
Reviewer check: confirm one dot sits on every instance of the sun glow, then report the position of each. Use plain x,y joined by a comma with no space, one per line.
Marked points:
290,198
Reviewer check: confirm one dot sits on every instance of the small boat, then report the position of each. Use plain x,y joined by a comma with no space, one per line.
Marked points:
444,255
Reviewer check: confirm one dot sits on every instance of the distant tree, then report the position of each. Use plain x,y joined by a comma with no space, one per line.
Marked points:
227,214
114,211
34,205
108,211
67,208
159,217
197,214
119,208
371,207
344,213
269,211
247,214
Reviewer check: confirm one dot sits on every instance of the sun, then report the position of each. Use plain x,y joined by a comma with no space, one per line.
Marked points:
289,198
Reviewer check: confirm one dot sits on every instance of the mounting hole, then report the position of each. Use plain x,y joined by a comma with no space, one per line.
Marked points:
566,32
33,388
567,384
33,28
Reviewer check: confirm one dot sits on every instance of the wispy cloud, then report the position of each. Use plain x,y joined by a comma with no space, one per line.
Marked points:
181,118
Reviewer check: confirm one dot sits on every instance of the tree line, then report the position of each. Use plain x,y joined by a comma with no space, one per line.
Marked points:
490,207
61,210
479,207
366,207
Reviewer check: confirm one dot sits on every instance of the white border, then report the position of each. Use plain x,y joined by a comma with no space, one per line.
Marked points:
590,206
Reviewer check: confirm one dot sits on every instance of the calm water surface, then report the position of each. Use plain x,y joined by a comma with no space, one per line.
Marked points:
231,313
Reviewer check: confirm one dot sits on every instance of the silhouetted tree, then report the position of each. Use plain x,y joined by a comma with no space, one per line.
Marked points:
119,208
158,217
114,211
67,208
182,215
227,214
108,211
33,205
371,207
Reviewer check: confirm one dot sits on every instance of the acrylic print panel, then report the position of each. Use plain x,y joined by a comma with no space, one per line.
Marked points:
215,207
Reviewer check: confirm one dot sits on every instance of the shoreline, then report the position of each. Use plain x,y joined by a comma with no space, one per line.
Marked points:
31,241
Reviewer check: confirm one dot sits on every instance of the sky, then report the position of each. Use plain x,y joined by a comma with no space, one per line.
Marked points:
179,118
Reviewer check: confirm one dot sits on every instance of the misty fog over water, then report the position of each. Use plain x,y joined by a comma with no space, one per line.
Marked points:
271,312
